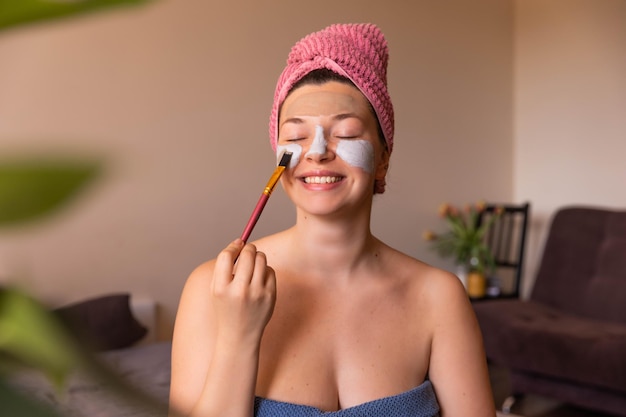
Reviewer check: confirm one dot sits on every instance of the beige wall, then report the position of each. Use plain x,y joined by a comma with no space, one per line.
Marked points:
175,96
570,108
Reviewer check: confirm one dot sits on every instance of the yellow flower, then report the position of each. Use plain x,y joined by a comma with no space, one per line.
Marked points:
444,209
429,235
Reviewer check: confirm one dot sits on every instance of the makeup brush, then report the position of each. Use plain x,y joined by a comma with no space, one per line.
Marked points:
282,165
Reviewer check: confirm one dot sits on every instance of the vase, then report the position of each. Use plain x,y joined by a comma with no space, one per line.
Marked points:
476,284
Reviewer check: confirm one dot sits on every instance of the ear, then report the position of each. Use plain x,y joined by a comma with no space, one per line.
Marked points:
383,165
381,173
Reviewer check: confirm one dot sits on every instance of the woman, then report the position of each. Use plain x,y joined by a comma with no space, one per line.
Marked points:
324,317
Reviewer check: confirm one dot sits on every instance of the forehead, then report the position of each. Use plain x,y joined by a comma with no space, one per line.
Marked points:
330,98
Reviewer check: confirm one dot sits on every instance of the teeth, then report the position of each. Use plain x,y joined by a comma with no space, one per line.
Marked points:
321,180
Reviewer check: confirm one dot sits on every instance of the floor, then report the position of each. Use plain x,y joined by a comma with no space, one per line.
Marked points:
533,406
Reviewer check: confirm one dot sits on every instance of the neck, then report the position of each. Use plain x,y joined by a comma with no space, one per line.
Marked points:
331,247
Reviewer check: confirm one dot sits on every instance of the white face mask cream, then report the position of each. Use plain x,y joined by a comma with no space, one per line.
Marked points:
294,148
318,147
358,153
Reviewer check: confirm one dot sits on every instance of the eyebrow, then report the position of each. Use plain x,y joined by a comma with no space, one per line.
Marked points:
344,116
294,120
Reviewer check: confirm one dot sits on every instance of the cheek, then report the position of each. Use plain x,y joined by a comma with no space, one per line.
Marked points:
294,148
358,153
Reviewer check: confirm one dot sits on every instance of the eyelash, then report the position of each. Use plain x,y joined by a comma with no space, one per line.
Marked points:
297,139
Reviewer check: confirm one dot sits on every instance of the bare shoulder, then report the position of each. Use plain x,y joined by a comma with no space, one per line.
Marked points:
193,307
434,284
441,293
439,298
200,277
445,291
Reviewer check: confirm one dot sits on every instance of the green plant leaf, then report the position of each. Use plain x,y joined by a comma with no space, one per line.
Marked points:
33,188
13,403
19,12
30,336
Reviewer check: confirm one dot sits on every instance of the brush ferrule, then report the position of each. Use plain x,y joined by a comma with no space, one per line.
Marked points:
273,180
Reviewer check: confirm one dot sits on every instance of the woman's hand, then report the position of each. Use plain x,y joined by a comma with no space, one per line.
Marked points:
243,294
224,308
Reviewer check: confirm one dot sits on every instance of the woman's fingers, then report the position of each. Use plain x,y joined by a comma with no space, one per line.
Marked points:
242,264
245,264
224,263
243,294
260,269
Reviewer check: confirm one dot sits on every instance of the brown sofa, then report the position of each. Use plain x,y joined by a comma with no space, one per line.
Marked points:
568,341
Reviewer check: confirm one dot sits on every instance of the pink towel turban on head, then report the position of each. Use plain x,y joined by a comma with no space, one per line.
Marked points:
356,51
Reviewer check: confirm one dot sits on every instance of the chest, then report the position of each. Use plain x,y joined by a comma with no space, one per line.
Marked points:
334,349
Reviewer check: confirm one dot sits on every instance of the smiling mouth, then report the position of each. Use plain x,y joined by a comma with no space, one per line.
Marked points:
322,180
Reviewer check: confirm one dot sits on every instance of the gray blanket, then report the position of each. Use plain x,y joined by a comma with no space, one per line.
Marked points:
145,367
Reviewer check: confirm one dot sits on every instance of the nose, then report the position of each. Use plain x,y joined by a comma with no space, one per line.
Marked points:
319,147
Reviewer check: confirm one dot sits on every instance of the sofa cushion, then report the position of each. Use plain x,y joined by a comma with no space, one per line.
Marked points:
531,337
582,395
583,267
104,322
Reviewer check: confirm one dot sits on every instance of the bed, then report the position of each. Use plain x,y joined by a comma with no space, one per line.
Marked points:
121,333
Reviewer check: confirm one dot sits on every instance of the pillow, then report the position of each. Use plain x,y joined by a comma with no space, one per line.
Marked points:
103,323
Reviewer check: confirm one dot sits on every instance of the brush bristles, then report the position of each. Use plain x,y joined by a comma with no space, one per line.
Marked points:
285,159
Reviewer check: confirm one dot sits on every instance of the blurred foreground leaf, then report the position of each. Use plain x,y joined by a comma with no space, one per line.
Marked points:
30,189
31,337
18,405
19,12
